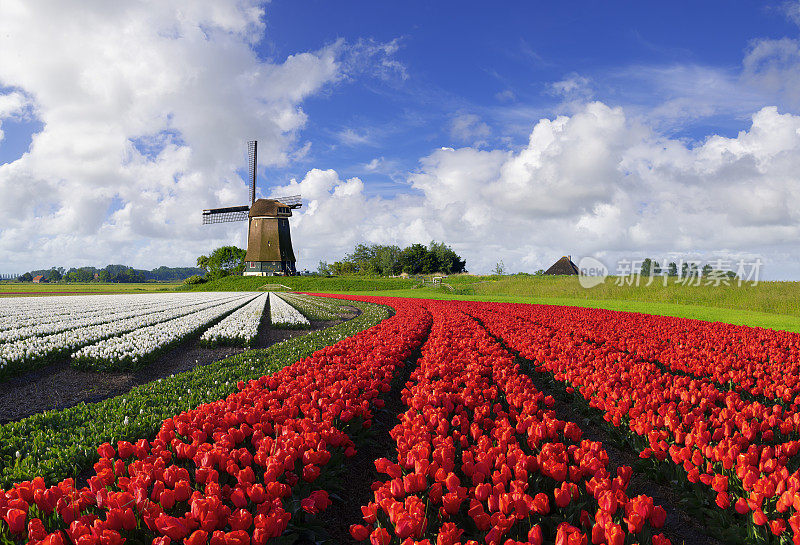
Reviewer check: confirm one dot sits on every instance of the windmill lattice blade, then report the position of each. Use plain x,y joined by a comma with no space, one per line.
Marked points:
252,161
292,201
225,215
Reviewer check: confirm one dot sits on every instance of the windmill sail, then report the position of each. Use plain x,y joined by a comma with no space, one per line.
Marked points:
252,161
292,201
225,215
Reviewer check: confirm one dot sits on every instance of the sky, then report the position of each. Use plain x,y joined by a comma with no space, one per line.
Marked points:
516,131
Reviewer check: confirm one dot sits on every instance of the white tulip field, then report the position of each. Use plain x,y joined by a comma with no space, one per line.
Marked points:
123,331
240,328
282,314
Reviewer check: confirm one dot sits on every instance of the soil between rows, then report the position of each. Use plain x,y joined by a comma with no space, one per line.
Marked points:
59,386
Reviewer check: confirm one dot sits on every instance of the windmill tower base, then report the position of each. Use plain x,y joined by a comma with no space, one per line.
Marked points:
269,268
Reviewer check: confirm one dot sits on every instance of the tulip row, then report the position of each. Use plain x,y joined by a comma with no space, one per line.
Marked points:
240,328
133,349
757,362
482,459
26,311
284,315
313,308
77,318
60,444
244,469
742,451
33,352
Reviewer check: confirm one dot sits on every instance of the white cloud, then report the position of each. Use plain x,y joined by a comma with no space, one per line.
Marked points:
774,65
466,127
145,108
351,137
505,96
792,11
573,86
594,183
376,59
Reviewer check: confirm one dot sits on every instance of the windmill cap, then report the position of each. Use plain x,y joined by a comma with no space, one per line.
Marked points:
268,207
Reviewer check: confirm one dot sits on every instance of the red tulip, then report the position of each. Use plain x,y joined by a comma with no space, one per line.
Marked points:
359,532
15,518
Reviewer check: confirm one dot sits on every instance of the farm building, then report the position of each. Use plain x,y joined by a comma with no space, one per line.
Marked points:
563,266
39,279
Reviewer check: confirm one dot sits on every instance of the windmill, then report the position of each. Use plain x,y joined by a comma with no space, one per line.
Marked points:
269,243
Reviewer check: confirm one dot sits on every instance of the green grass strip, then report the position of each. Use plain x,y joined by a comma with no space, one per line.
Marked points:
61,444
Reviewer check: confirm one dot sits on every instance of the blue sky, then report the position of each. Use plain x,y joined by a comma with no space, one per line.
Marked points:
500,63
518,131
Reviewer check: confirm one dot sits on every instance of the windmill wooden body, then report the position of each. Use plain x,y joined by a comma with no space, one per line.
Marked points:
269,241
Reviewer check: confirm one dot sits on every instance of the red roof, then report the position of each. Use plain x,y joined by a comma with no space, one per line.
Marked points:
38,279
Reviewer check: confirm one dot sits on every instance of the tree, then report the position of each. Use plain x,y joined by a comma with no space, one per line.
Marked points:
388,260
539,272
225,260
499,268
53,275
430,264
656,268
411,258
339,268
323,268
707,269
647,267
449,261
673,269
27,277
202,262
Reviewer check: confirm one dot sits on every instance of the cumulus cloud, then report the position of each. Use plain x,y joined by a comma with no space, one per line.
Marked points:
594,183
145,109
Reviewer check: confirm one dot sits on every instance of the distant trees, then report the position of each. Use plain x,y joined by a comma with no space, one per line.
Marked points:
673,269
111,273
382,260
688,269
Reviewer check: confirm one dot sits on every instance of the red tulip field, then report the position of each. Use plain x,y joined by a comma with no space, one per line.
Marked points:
478,454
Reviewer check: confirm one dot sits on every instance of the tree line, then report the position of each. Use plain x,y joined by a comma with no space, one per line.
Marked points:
111,273
651,267
377,259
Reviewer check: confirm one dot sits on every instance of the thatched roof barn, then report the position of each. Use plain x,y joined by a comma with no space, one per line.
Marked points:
563,266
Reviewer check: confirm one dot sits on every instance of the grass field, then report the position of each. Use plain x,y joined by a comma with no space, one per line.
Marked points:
769,297
774,305
10,289
696,312
307,283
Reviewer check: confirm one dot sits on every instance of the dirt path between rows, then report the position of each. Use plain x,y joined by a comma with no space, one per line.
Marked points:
59,386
